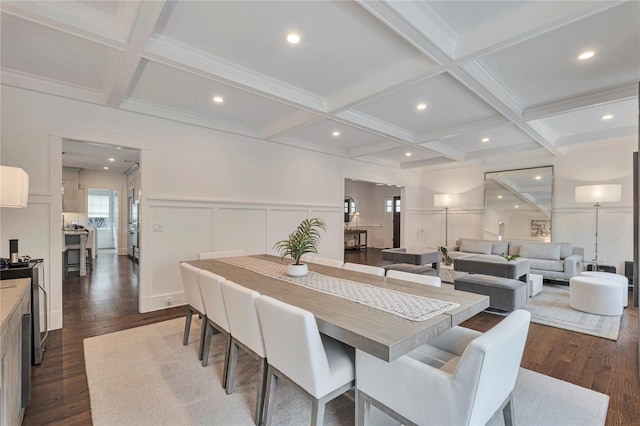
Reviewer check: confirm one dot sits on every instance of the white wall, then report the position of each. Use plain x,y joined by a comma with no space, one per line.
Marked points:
600,162
207,190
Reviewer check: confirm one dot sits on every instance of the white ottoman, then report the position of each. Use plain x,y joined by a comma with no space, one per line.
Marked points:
624,282
595,295
535,284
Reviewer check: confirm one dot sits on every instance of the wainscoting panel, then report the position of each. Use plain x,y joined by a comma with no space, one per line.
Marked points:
186,231
240,228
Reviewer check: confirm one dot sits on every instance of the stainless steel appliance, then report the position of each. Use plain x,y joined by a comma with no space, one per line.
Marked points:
35,271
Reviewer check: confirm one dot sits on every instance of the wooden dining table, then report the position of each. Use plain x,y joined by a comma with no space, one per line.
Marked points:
382,334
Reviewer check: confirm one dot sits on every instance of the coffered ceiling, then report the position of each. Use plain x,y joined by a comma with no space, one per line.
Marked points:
497,78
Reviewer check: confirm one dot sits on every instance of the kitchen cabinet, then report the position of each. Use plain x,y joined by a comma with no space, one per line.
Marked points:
69,194
15,359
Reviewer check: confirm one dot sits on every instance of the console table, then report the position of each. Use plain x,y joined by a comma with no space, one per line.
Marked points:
357,235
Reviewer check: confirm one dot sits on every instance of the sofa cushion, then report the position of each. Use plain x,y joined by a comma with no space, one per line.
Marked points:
499,247
475,246
566,250
548,251
546,265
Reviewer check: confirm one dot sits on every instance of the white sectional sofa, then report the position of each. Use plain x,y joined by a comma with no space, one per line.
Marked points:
557,261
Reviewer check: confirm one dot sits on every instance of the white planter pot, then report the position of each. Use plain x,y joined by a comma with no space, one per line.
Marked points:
297,270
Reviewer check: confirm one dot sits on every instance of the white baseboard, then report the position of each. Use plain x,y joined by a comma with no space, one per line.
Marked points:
55,320
156,303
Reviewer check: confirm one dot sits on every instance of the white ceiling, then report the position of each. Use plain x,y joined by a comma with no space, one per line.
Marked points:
504,70
93,156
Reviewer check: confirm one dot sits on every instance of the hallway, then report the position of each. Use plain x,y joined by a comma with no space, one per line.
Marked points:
104,301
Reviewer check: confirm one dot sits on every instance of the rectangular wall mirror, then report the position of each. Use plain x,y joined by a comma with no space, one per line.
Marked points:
518,204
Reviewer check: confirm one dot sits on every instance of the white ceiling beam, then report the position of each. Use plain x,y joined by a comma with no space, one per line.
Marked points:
382,127
425,163
172,53
445,150
374,148
574,103
477,126
618,132
37,84
509,29
181,116
141,31
290,123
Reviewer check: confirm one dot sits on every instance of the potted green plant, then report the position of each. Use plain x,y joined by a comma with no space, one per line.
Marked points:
445,256
304,239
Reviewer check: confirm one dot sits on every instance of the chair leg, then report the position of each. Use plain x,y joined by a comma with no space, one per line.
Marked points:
362,409
231,369
509,413
270,396
187,326
203,331
317,411
262,384
227,354
207,343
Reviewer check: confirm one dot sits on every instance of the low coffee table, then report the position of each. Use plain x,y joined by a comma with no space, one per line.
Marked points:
494,265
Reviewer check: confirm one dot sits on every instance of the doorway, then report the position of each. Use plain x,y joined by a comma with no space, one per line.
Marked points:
102,213
375,208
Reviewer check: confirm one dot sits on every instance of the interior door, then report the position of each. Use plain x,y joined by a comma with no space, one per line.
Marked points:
396,221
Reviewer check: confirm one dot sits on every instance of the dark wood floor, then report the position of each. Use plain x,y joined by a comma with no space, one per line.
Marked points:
104,301
107,300
602,365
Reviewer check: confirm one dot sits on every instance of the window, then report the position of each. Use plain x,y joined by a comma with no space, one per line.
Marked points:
398,205
98,207
389,206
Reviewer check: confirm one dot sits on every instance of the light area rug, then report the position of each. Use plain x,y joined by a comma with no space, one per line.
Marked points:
551,307
145,376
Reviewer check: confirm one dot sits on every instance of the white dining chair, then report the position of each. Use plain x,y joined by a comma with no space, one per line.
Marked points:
240,304
416,278
367,269
195,304
460,377
320,366
216,317
218,254
326,262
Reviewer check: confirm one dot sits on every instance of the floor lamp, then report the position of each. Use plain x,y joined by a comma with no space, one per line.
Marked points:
597,194
446,201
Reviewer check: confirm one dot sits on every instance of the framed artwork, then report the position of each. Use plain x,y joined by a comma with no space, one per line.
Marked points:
541,228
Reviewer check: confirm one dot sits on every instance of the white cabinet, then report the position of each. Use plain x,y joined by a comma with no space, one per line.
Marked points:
15,303
69,194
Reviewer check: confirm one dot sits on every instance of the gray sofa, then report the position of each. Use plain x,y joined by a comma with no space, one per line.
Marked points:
556,261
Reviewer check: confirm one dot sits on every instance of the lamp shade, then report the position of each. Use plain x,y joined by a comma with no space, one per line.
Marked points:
14,187
598,193
446,200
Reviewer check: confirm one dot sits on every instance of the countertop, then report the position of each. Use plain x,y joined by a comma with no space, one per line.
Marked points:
11,297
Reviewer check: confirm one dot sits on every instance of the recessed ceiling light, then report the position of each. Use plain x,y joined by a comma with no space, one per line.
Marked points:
106,168
485,140
538,177
500,196
408,154
218,99
607,117
421,106
293,38
586,55
335,133
117,147
112,159
516,206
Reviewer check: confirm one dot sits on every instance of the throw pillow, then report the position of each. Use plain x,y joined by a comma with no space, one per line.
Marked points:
475,246
549,251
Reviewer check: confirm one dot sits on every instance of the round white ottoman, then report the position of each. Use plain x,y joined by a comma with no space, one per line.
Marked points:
624,282
595,295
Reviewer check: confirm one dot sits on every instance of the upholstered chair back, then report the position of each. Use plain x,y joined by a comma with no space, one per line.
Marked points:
212,297
192,287
240,304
